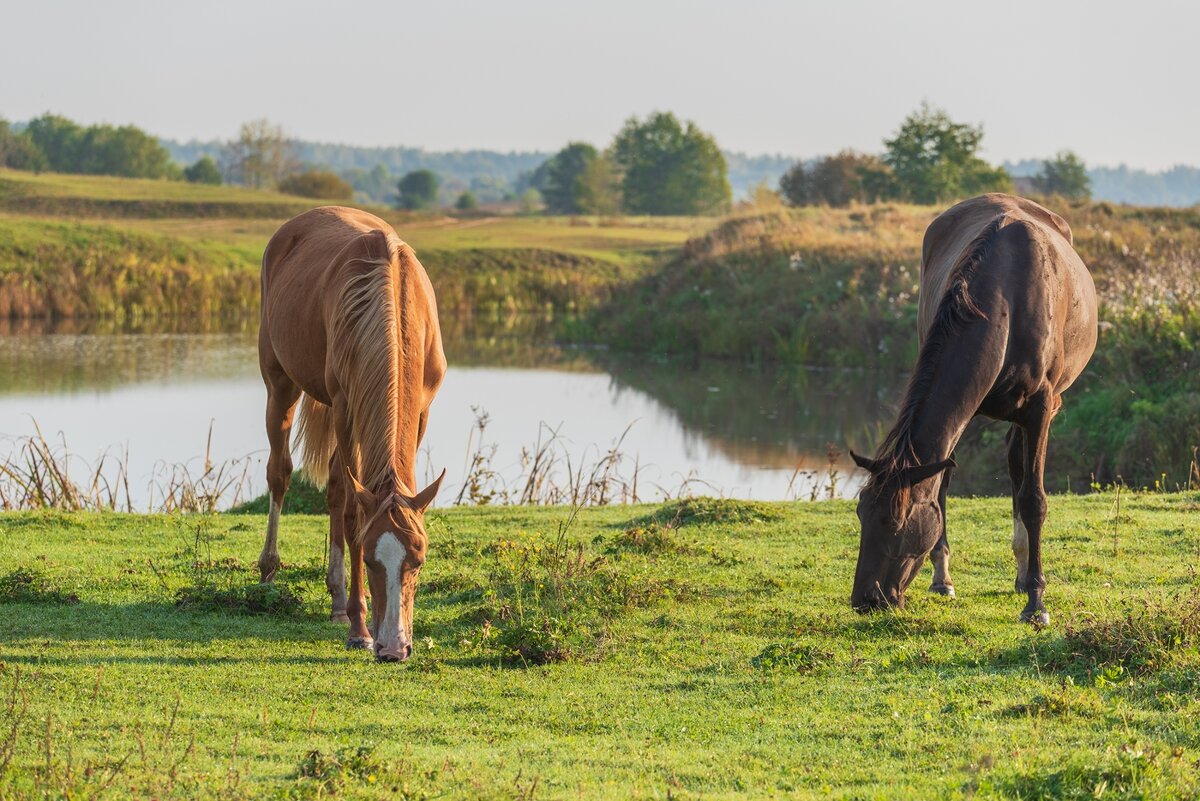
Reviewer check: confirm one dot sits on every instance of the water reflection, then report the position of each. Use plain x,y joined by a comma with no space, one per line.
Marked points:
738,430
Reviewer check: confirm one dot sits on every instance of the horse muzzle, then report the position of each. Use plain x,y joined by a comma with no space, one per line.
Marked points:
399,652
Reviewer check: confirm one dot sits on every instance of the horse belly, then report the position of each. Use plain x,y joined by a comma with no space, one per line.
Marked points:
295,334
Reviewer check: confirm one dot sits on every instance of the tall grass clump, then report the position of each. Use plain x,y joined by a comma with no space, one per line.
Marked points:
1143,637
37,474
549,599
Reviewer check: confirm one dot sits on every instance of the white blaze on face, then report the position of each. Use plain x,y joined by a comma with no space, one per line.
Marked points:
1020,546
390,553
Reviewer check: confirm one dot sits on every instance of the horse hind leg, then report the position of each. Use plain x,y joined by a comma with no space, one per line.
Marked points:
1030,505
1015,442
282,396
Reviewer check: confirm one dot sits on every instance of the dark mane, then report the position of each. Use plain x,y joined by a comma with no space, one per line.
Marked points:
956,307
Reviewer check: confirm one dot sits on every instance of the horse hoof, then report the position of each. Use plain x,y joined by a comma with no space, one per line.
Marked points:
943,589
1038,617
339,617
359,644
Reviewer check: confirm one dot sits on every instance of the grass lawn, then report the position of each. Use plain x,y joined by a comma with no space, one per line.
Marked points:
709,654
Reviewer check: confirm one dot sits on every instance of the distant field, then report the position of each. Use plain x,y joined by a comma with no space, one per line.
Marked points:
703,650
113,247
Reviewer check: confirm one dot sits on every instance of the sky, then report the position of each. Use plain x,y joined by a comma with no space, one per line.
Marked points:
1115,82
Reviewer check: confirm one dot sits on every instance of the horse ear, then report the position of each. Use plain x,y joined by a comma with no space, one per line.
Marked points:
424,498
870,465
915,475
364,496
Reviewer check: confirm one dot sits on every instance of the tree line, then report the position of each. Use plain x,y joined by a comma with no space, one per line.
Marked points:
260,156
658,165
931,159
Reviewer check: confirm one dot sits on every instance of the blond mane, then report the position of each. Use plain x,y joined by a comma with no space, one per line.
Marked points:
364,345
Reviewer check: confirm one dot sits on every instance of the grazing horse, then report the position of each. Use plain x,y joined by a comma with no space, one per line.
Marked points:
349,322
1007,322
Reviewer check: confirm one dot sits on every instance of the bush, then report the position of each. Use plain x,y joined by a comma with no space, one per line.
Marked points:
466,202
320,184
418,190
839,180
203,171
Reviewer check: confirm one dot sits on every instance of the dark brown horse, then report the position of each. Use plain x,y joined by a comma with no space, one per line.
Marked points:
1007,322
350,322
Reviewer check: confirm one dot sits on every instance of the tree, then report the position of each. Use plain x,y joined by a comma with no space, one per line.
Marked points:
1065,175
126,150
559,180
934,159
58,139
597,187
18,151
321,184
840,180
203,171
530,200
466,202
100,149
669,168
418,190
261,156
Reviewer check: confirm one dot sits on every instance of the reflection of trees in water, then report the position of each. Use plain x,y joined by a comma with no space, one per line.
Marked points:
486,340
786,418
74,355
764,416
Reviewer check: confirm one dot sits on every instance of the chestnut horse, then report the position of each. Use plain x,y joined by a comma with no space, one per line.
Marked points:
349,330
1007,322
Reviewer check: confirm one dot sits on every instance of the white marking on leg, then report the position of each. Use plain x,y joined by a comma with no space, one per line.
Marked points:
1020,547
390,635
335,578
272,527
269,558
941,568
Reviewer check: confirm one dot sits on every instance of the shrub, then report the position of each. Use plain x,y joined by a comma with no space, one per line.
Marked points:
320,184
203,171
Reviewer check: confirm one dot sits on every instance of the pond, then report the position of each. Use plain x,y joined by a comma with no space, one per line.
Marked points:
158,404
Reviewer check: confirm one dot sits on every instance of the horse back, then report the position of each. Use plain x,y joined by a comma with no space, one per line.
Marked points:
1028,279
307,264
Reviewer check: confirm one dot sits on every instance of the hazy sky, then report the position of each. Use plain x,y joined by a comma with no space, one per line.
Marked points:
1117,82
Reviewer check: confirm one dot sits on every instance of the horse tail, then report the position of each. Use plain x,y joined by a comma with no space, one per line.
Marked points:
314,433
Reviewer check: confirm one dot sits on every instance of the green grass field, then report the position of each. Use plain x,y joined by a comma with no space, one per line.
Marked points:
700,651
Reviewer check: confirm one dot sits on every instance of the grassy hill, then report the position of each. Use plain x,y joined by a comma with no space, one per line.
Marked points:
167,249
699,650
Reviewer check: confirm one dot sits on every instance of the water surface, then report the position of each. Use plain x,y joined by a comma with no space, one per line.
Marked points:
706,428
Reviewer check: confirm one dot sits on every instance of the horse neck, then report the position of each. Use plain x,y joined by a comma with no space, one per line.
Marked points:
959,379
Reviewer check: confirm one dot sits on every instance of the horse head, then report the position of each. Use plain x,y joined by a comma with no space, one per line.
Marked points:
901,521
394,544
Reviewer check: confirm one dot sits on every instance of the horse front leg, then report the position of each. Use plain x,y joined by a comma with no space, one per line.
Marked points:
358,636
335,576
942,583
1031,504
282,396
